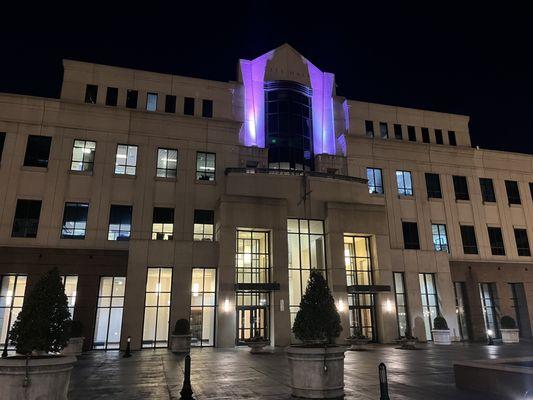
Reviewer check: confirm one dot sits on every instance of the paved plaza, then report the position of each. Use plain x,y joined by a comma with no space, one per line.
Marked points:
236,374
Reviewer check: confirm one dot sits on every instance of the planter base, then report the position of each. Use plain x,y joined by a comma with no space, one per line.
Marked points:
441,336
180,343
74,347
510,336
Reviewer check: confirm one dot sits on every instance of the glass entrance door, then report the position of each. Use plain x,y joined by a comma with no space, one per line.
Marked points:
252,316
203,301
109,313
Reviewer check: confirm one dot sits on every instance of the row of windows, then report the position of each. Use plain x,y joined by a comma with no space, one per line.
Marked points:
74,226
111,99
468,236
411,133
404,183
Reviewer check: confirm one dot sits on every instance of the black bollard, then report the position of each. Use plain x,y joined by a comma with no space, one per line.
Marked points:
383,385
128,354
186,392
4,352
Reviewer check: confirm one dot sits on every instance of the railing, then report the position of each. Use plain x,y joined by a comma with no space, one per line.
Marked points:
271,171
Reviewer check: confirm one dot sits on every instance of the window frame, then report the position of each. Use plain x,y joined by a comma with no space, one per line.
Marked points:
117,233
188,106
373,170
126,165
203,218
132,99
404,190
63,235
439,138
383,130
466,230
158,214
201,174
488,194
150,96
439,244
89,89
432,178
111,96
425,135
164,172
170,104
207,108
398,134
409,227
36,155
83,162
369,129
452,139
27,230
497,245
411,133
522,242
513,192
460,187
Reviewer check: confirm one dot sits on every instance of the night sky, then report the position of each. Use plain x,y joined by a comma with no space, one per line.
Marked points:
449,58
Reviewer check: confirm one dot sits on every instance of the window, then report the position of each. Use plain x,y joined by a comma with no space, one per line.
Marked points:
451,138
411,134
70,284
400,294
369,128
170,103
461,188
204,222
433,186
405,183
203,306
487,190
430,303
531,189
167,163
410,235
306,251
126,160
151,101
383,130
91,91
74,221
109,312
461,309
375,183
522,242
163,224
2,140
513,194
496,241
157,307
131,98
205,166
119,222
26,220
37,151
398,132
490,307
12,289
468,235
188,106
440,241
207,108
438,136
111,97
425,135
83,155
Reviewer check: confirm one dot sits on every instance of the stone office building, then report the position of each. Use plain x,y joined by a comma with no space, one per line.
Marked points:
162,197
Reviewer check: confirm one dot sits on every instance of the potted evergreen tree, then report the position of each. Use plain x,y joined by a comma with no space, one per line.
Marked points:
510,332
441,332
180,340
39,333
358,341
74,345
317,364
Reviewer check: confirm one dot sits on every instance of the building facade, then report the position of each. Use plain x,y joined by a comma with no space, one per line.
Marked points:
163,197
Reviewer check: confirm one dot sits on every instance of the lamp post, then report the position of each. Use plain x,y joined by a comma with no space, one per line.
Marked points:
128,348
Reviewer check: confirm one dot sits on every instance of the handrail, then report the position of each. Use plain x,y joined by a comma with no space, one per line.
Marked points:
271,171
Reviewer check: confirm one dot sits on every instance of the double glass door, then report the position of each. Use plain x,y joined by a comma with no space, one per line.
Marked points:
362,315
252,316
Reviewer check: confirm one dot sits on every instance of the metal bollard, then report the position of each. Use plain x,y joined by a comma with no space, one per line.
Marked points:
186,392
128,354
383,385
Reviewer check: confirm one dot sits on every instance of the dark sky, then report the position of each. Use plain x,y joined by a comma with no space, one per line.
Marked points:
439,56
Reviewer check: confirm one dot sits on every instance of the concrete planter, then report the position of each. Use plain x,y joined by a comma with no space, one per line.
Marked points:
441,336
357,344
48,378
74,347
180,343
316,372
510,336
257,347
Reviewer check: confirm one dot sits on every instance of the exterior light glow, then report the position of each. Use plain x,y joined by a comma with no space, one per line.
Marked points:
490,332
388,306
340,306
227,307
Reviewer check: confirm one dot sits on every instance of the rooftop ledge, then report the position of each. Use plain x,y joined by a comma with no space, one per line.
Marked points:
316,174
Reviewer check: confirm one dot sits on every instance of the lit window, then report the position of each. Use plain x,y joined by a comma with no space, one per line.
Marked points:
157,307
119,223
204,225
440,241
167,163
70,283
163,224
12,289
375,183
83,155
205,166
151,102
405,183
126,160
74,221
110,307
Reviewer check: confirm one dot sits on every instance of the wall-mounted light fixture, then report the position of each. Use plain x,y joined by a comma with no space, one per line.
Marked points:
282,305
389,307
227,307
341,307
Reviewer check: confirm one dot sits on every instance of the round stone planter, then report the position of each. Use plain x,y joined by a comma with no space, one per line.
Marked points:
49,378
510,335
257,347
441,336
74,347
357,344
180,343
316,372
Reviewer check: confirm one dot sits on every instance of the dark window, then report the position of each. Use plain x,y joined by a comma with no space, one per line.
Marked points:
2,140
163,224
461,188
119,222
207,108
513,194
167,163
531,189
451,138
433,186
438,136
91,91
468,235
411,134
425,135
487,190
37,151
205,166
111,97
204,225
496,241
74,221
369,128
398,131
188,106
170,103
410,235
26,220
384,130
522,243
131,98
